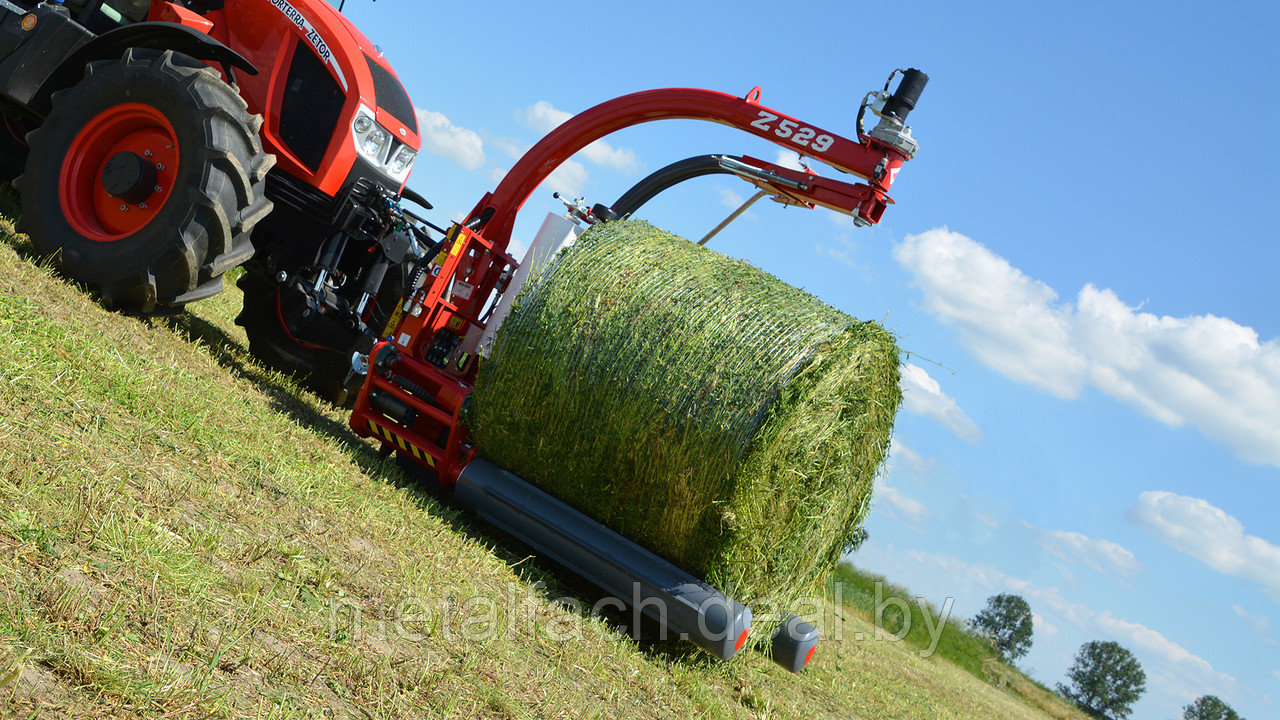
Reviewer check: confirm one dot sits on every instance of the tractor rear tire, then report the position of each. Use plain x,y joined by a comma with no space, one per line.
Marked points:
13,148
145,181
263,319
266,317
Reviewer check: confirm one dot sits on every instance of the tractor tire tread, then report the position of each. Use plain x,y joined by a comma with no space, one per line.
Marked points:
224,198
322,370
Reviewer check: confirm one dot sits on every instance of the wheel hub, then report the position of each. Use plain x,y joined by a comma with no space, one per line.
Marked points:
129,177
118,172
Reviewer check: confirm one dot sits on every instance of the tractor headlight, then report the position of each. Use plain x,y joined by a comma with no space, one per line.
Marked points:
371,140
380,148
373,143
402,161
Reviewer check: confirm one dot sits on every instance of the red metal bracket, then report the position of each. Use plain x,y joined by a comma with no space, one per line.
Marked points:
876,163
477,262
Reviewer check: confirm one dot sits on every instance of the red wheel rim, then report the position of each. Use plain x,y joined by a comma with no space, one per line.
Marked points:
86,204
285,325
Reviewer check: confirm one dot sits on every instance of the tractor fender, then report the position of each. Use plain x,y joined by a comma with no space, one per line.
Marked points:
155,35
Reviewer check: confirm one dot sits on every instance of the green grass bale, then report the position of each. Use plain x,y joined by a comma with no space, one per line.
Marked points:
718,416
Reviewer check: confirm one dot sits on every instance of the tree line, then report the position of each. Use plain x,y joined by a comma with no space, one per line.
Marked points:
1104,681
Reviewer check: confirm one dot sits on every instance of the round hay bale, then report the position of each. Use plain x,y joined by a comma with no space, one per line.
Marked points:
716,415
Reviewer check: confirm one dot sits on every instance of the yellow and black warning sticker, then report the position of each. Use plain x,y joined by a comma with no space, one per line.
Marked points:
394,321
400,443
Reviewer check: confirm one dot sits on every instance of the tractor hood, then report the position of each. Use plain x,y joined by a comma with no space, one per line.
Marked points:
331,100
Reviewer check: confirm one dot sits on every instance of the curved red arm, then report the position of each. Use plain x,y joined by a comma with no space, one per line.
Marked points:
872,161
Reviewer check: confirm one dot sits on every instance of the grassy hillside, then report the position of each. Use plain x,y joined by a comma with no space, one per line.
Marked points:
857,592
186,535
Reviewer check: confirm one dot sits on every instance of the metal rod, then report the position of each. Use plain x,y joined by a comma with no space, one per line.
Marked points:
733,216
740,168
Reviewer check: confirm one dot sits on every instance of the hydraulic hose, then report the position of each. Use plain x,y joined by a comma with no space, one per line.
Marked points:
660,180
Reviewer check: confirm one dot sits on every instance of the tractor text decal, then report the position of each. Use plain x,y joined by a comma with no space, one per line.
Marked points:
322,48
799,134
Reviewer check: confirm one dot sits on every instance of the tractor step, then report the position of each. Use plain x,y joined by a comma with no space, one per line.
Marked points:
203,291
234,257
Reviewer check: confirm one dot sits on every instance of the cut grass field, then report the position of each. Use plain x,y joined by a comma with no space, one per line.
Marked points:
184,534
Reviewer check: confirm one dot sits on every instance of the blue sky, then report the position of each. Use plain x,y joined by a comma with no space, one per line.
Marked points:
1082,265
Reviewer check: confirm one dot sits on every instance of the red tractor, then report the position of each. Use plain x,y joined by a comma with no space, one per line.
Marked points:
159,144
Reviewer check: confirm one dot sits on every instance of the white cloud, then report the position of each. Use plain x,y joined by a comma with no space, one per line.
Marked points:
789,159
1204,370
730,199
906,462
1180,670
843,250
441,137
1173,670
1074,613
1043,626
733,200
1259,622
913,511
568,179
988,520
1003,316
1194,527
901,462
1067,576
543,117
924,396
510,147
900,451
966,575
1259,625
1101,555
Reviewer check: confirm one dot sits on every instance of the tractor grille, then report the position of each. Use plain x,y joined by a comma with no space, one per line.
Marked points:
307,201
310,109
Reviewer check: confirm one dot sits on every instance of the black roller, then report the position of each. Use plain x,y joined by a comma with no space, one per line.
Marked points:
793,643
648,584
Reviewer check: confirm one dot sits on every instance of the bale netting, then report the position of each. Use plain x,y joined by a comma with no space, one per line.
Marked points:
700,406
